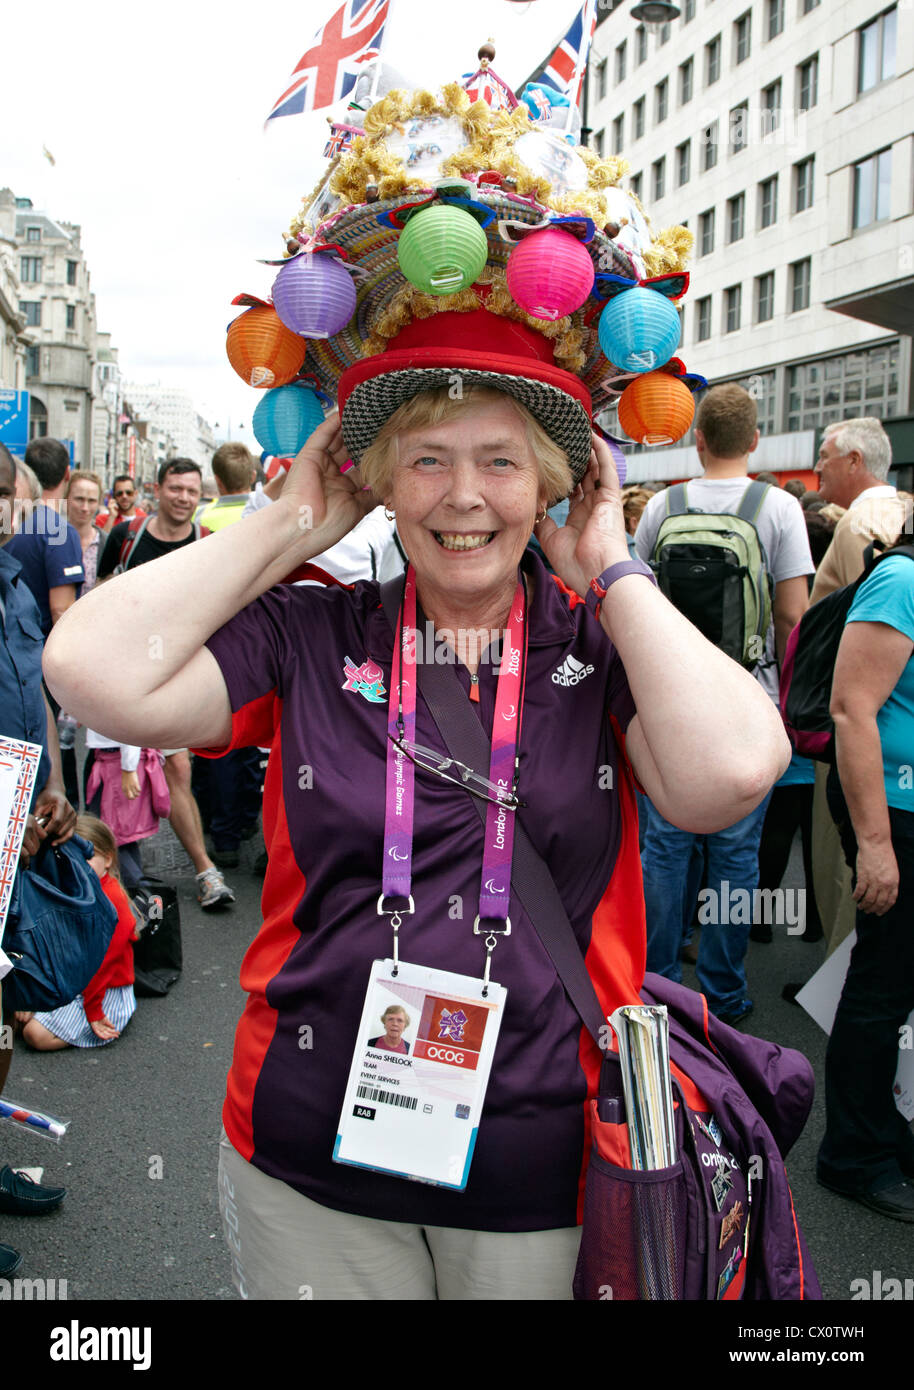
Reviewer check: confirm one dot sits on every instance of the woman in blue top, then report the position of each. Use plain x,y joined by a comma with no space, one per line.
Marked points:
868,1150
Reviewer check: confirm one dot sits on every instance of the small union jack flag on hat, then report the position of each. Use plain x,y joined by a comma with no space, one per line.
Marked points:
327,72
570,56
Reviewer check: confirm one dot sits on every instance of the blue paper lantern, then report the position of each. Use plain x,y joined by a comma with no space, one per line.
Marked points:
639,330
286,418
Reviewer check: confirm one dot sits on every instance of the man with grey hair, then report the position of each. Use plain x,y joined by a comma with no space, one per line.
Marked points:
853,468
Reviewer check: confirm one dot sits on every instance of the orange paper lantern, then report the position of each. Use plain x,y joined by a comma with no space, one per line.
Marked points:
262,350
656,409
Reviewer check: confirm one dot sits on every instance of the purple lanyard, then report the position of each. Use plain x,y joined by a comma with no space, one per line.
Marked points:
495,885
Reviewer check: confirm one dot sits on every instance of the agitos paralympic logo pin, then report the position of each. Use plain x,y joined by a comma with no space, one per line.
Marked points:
367,680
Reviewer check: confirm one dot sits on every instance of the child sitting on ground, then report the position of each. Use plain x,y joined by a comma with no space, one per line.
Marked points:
105,1007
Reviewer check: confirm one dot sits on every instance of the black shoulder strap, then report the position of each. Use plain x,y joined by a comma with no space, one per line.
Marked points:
466,740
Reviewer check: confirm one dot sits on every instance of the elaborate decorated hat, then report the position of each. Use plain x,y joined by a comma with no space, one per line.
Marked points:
463,234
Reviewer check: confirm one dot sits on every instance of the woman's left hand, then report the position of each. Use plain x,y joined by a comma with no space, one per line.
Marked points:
53,808
593,537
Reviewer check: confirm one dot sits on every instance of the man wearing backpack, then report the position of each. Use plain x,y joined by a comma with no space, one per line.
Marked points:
134,543
715,562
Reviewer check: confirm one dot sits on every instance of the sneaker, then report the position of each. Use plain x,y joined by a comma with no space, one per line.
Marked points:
21,1195
896,1201
212,890
10,1260
739,1015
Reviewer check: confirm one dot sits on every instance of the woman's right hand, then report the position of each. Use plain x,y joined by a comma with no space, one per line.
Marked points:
326,502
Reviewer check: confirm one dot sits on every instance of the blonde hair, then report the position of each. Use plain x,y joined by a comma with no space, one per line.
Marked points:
395,1009
82,475
102,837
634,501
436,408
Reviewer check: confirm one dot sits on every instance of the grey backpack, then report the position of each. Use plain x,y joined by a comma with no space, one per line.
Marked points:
713,568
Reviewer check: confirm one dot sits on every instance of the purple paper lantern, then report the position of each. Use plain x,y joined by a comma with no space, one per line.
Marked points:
314,295
286,418
550,273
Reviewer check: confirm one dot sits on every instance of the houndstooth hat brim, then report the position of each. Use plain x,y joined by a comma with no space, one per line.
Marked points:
371,404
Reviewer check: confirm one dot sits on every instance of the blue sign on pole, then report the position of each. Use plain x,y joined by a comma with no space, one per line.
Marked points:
14,420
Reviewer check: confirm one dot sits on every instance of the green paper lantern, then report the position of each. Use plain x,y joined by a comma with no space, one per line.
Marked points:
442,249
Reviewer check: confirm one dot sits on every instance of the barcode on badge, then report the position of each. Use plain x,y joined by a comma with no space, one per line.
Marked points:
388,1097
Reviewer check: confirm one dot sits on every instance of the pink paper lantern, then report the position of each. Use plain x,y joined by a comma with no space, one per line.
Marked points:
550,273
314,295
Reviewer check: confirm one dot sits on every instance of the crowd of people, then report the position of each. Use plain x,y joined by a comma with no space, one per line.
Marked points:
718,803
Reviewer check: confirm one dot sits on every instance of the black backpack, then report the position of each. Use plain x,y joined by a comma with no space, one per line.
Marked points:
809,664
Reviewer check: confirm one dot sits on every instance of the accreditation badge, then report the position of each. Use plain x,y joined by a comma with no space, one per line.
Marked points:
419,1073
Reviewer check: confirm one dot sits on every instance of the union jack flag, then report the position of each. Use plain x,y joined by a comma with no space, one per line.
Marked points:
571,53
328,70
485,85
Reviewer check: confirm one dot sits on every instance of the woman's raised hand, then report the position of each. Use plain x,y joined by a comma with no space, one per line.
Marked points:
327,503
593,537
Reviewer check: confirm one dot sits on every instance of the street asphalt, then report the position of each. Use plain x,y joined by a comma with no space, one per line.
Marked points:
141,1219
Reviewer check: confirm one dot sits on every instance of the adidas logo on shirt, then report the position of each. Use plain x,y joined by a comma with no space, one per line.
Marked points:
571,672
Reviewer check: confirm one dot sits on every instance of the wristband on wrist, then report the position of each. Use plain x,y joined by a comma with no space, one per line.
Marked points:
598,587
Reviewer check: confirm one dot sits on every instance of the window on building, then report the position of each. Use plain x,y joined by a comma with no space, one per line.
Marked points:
598,143
638,119
803,184
808,83
33,233
800,279
864,382
686,71
664,35
771,107
775,18
683,163
703,319
739,127
618,134
32,361
601,79
764,297
72,268
31,308
688,11
706,232
733,301
71,315
809,5
736,218
768,202
30,270
709,144
640,45
661,100
712,61
742,37
872,189
634,184
876,50
621,61
658,178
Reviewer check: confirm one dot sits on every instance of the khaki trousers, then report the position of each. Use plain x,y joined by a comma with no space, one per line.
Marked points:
284,1246
830,874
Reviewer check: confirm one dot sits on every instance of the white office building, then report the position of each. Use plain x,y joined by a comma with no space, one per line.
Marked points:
782,133
174,414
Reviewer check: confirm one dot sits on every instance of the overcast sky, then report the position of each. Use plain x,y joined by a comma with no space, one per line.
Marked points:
154,115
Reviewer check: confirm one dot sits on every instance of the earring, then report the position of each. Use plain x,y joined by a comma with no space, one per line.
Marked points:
543,517
391,515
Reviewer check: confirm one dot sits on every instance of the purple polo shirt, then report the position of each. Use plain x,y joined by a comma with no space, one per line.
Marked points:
285,660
